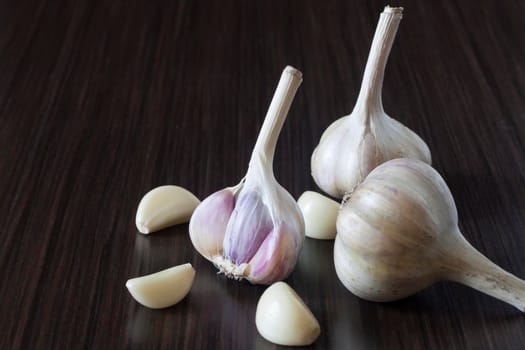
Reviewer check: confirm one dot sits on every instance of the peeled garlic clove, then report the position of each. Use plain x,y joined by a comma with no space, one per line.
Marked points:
255,233
320,215
398,233
354,145
284,319
165,206
164,288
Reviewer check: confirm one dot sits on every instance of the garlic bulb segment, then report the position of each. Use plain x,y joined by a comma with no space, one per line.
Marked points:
216,209
165,206
162,289
355,144
397,233
320,214
284,319
255,229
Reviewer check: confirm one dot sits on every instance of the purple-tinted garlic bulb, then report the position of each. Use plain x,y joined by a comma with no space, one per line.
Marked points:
254,230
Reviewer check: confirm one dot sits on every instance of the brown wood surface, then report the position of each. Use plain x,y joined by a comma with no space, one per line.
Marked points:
101,101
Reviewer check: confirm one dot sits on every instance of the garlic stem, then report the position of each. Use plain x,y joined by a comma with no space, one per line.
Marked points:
476,271
264,148
370,94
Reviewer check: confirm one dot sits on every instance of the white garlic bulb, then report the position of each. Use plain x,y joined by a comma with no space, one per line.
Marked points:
397,233
355,144
255,229
283,318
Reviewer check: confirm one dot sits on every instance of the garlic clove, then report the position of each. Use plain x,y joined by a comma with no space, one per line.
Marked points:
284,319
165,206
216,209
164,288
274,259
320,215
248,226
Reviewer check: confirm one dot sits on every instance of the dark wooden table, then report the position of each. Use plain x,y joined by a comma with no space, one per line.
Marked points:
101,101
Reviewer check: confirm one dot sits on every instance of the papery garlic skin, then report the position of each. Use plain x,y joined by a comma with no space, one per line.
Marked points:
397,233
320,215
164,288
283,318
254,230
164,206
354,145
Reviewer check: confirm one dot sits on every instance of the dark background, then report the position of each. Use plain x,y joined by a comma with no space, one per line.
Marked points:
101,101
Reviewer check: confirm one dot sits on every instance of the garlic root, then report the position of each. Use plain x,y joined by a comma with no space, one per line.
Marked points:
283,318
397,233
164,288
163,207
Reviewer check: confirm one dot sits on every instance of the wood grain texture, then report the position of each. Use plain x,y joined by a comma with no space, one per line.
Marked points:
100,101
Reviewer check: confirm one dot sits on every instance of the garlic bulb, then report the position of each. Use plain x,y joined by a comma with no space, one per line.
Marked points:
164,206
397,233
283,318
255,229
355,144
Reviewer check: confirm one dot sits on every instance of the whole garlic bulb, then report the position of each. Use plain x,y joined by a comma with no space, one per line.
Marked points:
255,229
355,144
397,233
